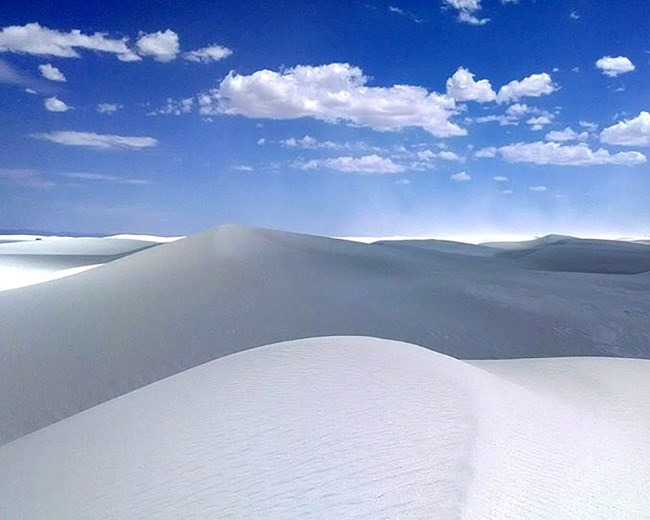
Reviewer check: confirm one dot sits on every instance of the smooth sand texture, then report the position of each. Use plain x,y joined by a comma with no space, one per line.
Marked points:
348,427
74,343
27,261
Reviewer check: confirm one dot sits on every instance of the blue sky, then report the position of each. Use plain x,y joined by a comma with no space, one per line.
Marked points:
438,117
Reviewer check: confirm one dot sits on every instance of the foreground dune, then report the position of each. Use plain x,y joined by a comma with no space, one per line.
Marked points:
346,428
88,338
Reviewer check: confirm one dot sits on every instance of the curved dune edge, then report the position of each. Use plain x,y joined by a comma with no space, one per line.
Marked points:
338,427
17,278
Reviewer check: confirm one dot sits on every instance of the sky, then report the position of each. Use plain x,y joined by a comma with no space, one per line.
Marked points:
438,118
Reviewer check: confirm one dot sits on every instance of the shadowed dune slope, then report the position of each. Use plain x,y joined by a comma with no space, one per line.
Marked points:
343,428
73,343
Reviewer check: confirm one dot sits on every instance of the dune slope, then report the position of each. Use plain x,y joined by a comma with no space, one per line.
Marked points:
338,428
83,340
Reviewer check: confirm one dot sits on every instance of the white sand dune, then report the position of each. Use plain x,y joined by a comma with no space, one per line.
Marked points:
94,336
348,428
27,261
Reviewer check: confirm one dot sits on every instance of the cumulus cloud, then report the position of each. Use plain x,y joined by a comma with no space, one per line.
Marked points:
107,178
463,87
54,104
174,107
368,164
445,155
32,38
500,178
461,177
50,72
514,113
97,141
310,143
537,188
589,126
467,11
630,132
333,93
161,45
208,54
568,134
535,85
487,153
613,67
108,108
538,123
566,155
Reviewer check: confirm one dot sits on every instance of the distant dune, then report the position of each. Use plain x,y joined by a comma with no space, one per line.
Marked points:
82,340
349,428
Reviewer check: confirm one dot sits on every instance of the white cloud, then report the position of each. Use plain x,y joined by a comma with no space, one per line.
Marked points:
97,141
394,9
535,85
630,132
613,67
589,126
208,54
515,112
33,38
537,188
538,123
25,178
566,155
333,93
500,178
108,108
568,134
402,182
107,178
261,141
445,155
309,143
574,15
244,168
368,164
487,153
467,10
161,45
507,192
462,87
50,72
461,176
174,107
54,104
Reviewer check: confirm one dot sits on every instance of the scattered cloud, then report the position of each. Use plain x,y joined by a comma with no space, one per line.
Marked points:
539,122
261,141
97,141
630,132
208,54
161,45
613,67
568,134
369,164
500,178
333,93
243,168
487,153
513,115
394,9
50,72
9,75
54,104
461,177
116,179
108,108
462,87
535,85
589,126
174,107
402,182
25,178
537,188
445,155
574,15
507,192
467,11
32,38
550,153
